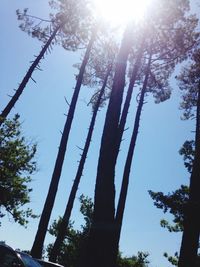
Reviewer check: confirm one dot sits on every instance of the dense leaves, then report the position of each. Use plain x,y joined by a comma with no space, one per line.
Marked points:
16,166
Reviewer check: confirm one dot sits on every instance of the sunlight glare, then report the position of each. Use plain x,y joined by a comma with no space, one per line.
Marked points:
121,11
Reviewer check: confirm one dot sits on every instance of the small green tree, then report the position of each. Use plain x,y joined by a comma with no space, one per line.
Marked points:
74,239
16,166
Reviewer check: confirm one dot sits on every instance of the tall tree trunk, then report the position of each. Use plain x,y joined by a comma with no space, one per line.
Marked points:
28,75
37,247
127,168
191,232
100,244
65,220
128,97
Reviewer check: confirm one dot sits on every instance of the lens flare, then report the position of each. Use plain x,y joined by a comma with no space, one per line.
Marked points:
121,11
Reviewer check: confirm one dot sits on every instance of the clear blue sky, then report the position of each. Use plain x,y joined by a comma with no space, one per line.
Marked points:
156,165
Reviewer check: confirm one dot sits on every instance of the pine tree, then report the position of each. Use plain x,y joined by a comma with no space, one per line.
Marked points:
65,219
190,82
156,80
37,247
68,27
101,239
98,73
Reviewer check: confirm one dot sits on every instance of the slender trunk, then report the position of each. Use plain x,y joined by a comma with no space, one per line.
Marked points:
65,220
128,97
28,75
191,232
127,168
100,243
37,247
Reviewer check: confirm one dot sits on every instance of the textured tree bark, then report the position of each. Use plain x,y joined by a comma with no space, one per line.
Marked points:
37,247
65,220
190,238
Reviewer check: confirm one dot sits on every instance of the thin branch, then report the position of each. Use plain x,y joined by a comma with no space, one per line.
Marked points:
33,80
35,17
66,101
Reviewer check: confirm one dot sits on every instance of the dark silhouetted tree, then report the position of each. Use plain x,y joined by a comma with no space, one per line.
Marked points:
100,244
182,203
75,241
67,27
65,219
101,240
127,168
98,72
156,80
190,82
37,247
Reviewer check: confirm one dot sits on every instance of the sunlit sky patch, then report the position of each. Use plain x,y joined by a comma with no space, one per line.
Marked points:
120,12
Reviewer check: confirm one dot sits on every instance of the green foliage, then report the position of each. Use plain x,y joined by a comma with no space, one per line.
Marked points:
86,210
188,152
70,248
135,261
75,239
175,203
16,165
172,259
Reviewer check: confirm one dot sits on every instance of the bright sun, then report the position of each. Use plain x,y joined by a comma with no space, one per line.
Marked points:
122,11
